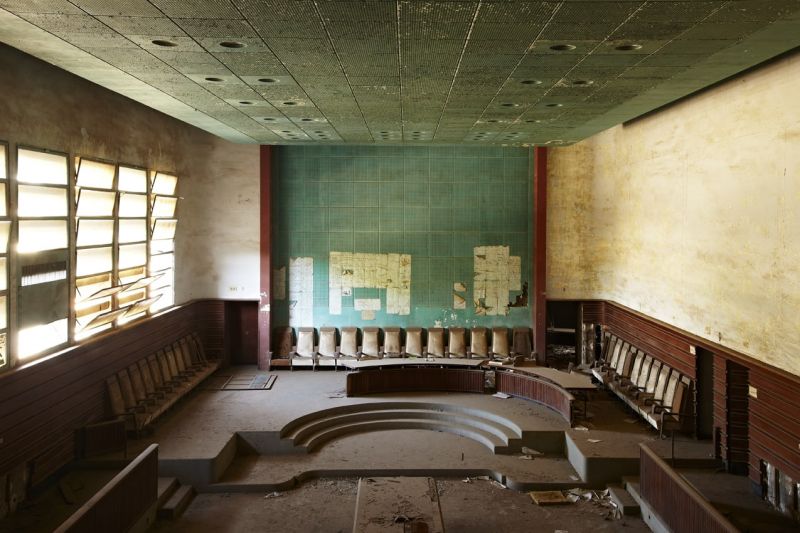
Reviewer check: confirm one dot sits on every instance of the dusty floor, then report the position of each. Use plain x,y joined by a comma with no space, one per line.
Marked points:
328,506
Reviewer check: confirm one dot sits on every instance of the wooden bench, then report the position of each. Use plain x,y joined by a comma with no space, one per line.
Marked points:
652,389
148,387
312,350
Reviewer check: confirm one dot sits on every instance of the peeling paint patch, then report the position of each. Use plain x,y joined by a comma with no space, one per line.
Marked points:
459,302
370,271
495,274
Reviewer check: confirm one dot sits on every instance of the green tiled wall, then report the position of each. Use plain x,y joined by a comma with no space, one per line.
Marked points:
435,203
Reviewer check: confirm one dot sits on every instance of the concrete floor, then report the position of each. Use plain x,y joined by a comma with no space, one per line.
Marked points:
328,506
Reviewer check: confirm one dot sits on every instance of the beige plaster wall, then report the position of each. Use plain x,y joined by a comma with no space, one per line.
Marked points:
692,215
217,239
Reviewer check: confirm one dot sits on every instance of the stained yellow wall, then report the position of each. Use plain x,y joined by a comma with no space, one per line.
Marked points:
691,215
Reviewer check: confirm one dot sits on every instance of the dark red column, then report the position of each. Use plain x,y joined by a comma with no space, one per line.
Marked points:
539,296
265,255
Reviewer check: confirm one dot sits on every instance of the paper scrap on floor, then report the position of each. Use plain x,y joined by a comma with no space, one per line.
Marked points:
502,395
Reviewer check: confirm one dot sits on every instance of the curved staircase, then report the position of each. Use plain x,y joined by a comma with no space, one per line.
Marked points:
314,430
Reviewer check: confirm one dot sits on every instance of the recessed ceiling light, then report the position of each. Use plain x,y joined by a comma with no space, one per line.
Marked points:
267,80
534,121
628,47
232,44
509,104
285,131
211,78
562,47
582,82
268,119
306,120
553,104
492,120
290,103
165,43
531,82
246,102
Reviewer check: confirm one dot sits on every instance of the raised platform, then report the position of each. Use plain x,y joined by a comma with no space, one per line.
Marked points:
305,428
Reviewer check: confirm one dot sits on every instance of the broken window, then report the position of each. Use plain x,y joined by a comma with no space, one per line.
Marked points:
42,252
5,228
162,244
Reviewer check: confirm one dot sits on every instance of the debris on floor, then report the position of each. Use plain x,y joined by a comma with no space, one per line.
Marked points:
594,441
581,428
531,451
501,395
273,495
548,497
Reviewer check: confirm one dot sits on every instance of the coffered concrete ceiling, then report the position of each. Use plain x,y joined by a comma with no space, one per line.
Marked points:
408,71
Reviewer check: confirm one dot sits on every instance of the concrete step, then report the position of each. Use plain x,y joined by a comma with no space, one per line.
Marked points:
384,409
631,484
177,503
490,440
166,488
625,502
306,432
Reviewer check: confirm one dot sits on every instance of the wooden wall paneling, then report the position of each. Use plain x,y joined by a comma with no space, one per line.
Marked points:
43,403
720,406
654,338
241,332
774,428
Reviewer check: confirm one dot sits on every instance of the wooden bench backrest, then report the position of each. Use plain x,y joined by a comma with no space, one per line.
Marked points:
414,341
155,370
147,378
174,355
638,358
500,341
644,371
391,341
672,385
349,345
163,365
169,357
652,378
457,342
478,344
622,356
370,344
305,342
327,341
127,389
608,348
197,348
521,342
436,342
115,396
661,385
615,354
138,384
184,352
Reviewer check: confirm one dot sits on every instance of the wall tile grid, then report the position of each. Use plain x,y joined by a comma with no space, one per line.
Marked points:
434,203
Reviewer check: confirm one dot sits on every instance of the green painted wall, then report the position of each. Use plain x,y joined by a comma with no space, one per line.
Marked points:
434,203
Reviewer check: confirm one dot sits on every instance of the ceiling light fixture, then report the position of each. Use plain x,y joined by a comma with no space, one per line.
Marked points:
562,47
509,104
268,119
232,44
582,83
164,43
553,104
628,47
290,103
215,80
246,102
267,80
531,82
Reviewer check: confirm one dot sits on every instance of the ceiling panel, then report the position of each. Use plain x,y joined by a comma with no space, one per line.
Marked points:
407,71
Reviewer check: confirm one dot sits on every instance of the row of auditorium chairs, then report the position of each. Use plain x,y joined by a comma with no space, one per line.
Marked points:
331,347
654,390
144,390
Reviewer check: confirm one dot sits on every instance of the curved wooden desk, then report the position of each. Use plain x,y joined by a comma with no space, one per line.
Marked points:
415,379
536,389
542,385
